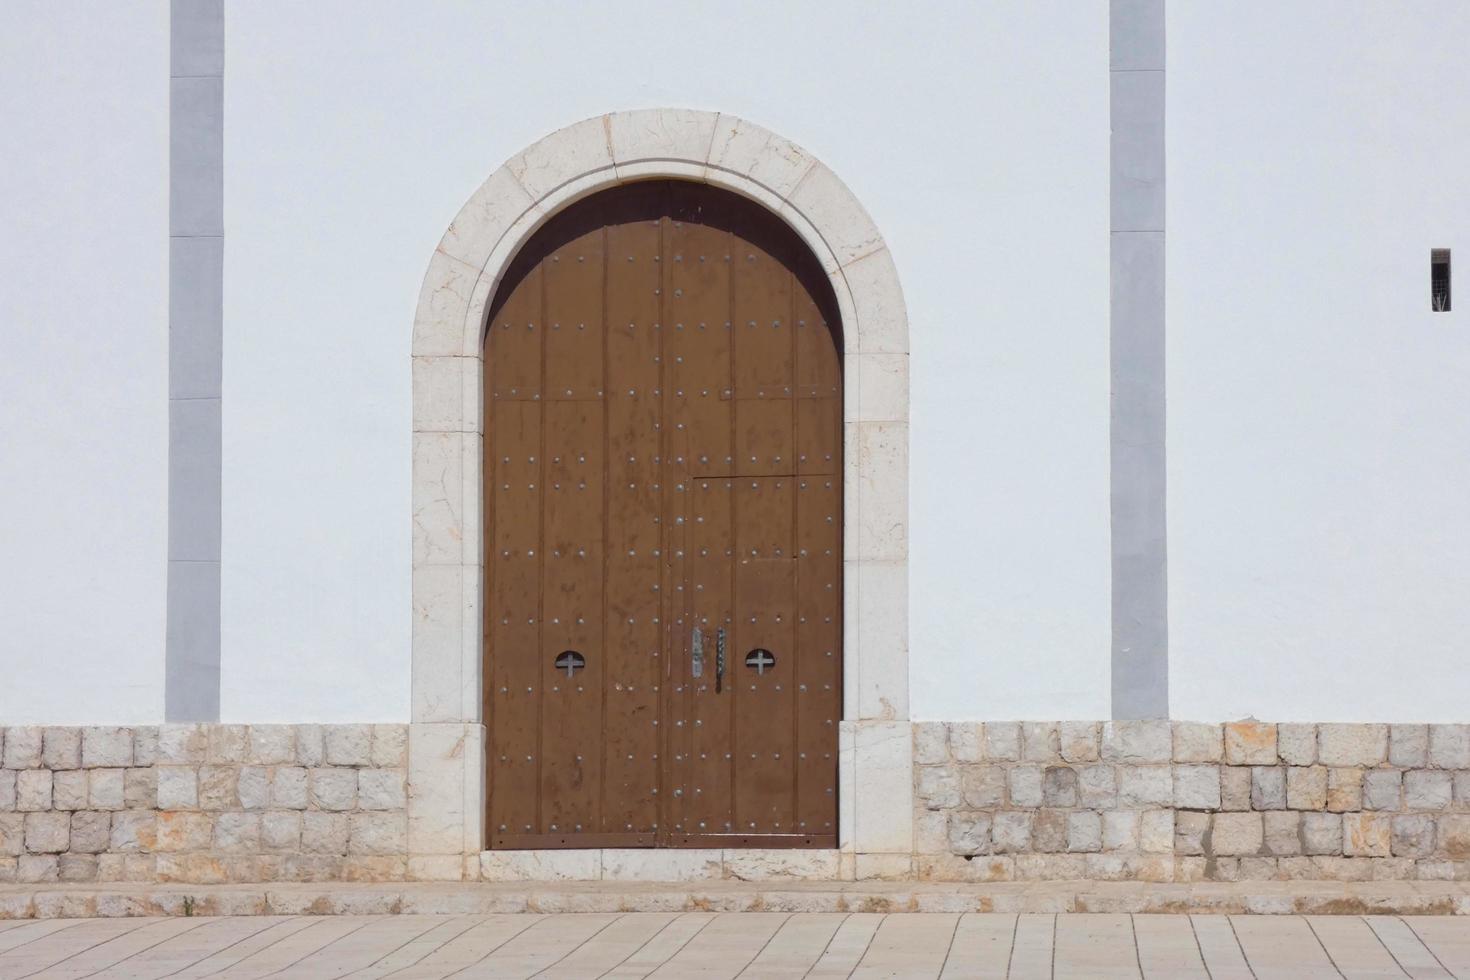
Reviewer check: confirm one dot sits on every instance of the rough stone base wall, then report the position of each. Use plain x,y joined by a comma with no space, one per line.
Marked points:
203,803
1184,801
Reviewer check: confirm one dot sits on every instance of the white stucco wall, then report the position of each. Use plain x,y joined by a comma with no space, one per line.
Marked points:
83,360
1319,476
975,134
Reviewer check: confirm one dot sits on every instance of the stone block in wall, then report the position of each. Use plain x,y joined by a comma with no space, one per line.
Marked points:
377,833
1449,746
182,745
931,834
12,834
1156,832
349,745
1382,789
272,745
61,748
107,788
1002,741
229,745
1079,741
253,787
178,788
48,832
69,789
1137,742
237,833
1268,788
390,746
1306,787
38,869
323,832
289,788
1197,742
1097,786
1190,828
1250,743
1283,832
7,789
1344,790
938,787
280,830
1059,786
133,830
184,830
1049,831
32,788
1461,790
1296,745
381,789
931,743
76,867
1197,787
107,747
1084,832
1235,788
1366,835
1040,742
217,787
1120,830
311,747
91,831
966,741
983,787
140,786
1344,745
969,833
1010,831
22,747
145,746
1144,786
1025,786
1412,836
334,788
1408,746
1237,834
1321,833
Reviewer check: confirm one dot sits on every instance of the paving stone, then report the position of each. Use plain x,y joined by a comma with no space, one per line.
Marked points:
380,789
1010,831
984,787
1408,746
931,743
1156,832
1079,741
178,788
1283,832
253,787
1049,831
272,745
48,833
1412,836
1059,786
1097,786
1002,741
1235,788
1084,831
1366,835
1137,742
1306,788
1344,790
1120,830
1236,834
390,746
1424,789
1143,786
1040,741
107,788
1344,745
1025,785
938,787
61,748
228,744
91,831
1197,787
969,833
377,833
1382,789
1190,828
966,741
1198,742
69,789
1297,744
1321,833
1449,746
349,745
104,747
22,747
32,786
1250,743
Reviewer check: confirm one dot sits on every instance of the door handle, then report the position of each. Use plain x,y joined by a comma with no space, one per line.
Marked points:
719,659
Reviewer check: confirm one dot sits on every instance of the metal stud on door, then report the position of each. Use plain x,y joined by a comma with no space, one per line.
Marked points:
663,529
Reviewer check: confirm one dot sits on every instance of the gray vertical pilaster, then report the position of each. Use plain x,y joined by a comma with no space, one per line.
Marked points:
1140,662
195,330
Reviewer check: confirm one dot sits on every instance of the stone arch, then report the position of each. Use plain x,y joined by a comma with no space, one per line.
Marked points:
446,739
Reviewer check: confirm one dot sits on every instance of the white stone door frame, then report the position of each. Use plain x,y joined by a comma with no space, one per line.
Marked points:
447,737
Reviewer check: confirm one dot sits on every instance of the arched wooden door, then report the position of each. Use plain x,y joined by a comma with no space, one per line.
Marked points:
663,488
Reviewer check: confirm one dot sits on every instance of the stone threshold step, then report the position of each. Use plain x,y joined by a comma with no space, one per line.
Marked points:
335,898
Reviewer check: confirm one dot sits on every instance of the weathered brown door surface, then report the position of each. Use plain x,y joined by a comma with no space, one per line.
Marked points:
663,433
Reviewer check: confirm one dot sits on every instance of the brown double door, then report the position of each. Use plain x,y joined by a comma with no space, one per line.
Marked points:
663,549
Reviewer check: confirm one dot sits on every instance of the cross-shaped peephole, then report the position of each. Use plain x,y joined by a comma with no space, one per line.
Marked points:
570,661
761,659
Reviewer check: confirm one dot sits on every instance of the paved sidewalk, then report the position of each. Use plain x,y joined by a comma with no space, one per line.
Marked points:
743,944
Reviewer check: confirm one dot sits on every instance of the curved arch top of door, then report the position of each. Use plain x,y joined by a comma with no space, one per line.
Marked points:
475,255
